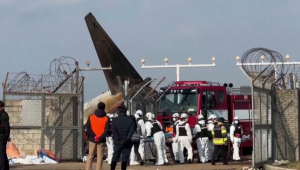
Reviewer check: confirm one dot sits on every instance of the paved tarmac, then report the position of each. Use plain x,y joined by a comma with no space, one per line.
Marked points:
148,166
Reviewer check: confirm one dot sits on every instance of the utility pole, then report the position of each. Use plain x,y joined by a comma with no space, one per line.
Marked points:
178,66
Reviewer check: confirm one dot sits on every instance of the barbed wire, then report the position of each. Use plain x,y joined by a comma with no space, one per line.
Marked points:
59,69
254,55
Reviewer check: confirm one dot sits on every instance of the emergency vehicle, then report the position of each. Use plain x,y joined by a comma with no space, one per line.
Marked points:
203,97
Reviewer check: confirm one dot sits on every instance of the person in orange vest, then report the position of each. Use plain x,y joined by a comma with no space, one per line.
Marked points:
97,128
173,146
169,129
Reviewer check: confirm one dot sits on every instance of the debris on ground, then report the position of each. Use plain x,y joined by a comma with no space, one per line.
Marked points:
288,164
43,157
281,163
12,151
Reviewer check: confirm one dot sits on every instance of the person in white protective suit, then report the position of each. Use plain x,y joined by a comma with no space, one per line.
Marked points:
175,143
139,119
154,129
236,133
210,125
202,136
184,138
109,142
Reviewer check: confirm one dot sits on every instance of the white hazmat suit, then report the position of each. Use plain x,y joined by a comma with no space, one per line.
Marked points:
184,138
202,135
236,132
138,116
210,127
154,128
110,142
175,142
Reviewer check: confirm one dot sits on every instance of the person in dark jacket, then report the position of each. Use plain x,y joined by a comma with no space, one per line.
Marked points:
4,136
122,128
97,128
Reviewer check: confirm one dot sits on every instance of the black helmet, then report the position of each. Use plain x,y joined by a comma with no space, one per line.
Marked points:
221,119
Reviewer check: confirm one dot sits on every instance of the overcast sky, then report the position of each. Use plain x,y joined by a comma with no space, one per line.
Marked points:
34,32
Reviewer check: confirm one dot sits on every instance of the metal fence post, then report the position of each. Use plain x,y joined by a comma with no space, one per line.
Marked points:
80,122
43,122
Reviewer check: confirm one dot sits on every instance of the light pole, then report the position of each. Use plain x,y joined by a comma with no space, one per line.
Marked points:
178,66
93,69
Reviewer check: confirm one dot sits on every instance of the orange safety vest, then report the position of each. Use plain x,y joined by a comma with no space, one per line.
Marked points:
169,129
98,124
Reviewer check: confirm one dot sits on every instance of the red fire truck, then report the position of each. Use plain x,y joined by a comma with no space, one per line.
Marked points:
203,97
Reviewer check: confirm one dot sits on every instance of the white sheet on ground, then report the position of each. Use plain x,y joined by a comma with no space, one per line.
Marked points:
32,159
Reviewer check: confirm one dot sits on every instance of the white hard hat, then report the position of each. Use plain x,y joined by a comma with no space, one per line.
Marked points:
209,117
138,114
236,118
183,115
110,115
150,116
127,113
212,116
175,115
200,117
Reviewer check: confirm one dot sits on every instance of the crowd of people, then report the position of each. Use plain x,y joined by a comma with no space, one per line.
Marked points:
125,137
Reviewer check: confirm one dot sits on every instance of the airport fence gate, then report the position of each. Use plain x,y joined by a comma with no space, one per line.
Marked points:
46,120
262,126
275,125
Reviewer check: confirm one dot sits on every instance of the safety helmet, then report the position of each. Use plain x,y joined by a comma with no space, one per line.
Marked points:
127,113
209,117
212,116
200,117
175,115
183,116
110,115
236,118
150,116
221,119
138,114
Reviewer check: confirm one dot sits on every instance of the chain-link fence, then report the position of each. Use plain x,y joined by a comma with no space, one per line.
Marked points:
41,118
275,122
53,122
276,125
144,105
262,126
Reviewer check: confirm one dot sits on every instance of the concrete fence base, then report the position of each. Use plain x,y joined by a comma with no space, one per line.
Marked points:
270,167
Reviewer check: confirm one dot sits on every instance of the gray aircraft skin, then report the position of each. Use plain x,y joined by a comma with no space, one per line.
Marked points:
110,55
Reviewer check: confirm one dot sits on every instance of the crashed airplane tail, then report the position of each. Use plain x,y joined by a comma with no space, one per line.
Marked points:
110,55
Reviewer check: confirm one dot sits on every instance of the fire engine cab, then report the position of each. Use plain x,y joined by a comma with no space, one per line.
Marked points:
203,97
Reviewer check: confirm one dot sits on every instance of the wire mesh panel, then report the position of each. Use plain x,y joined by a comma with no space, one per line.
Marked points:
46,110
30,114
276,112
53,122
262,126
63,142
145,106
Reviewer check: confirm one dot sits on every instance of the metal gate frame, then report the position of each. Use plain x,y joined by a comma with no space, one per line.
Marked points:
261,156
